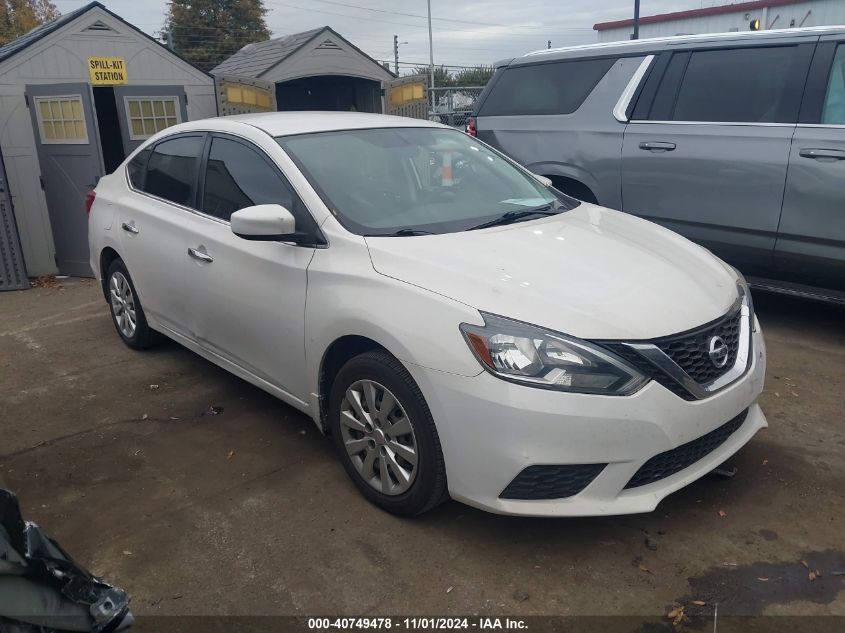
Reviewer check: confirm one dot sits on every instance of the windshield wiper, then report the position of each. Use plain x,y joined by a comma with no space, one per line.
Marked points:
516,215
402,233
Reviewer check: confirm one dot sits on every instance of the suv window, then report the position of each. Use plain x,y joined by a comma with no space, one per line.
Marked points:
550,88
834,101
238,177
738,85
172,169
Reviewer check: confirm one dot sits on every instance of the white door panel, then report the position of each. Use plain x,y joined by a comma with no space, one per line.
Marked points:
248,304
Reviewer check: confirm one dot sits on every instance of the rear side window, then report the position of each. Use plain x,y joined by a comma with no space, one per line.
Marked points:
238,177
739,85
172,169
136,168
552,88
834,101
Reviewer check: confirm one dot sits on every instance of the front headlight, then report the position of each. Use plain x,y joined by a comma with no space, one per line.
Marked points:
530,355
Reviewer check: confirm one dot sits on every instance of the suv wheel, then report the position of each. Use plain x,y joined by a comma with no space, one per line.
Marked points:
385,436
127,313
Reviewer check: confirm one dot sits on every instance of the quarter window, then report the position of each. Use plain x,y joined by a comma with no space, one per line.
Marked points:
172,169
61,120
549,88
834,101
149,115
238,177
738,85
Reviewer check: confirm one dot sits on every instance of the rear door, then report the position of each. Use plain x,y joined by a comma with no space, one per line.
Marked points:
69,156
145,110
810,245
707,157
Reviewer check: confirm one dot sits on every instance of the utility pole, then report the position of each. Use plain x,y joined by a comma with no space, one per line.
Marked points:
636,34
396,54
431,56
549,44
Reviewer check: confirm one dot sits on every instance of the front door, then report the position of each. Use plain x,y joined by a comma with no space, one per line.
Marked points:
708,159
69,155
247,298
145,110
811,238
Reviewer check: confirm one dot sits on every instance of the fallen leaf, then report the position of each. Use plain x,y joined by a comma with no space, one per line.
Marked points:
215,410
794,394
723,514
645,569
700,603
153,387
726,564
449,590
763,579
126,552
777,395
674,613
230,455
818,574
803,562
811,576
144,417
765,461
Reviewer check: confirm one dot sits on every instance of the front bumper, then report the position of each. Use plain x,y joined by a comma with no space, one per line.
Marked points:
491,430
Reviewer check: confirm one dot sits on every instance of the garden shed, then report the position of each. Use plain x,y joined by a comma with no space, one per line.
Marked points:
314,70
77,95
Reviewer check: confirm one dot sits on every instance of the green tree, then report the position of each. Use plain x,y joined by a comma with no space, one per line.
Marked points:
21,16
442,77
478,76
206,32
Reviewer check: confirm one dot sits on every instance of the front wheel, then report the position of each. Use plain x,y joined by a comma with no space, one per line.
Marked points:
385,436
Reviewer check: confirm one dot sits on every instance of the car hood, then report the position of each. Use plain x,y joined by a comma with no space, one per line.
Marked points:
590,272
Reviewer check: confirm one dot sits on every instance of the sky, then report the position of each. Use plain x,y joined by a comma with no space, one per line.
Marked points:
465,32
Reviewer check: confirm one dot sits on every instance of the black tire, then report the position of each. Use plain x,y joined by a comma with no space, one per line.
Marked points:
144,336
428,488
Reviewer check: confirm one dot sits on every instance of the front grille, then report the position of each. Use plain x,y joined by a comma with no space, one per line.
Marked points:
670,462
649,370
551,481
690,351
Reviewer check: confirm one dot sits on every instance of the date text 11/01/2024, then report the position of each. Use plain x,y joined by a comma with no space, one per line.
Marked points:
417,623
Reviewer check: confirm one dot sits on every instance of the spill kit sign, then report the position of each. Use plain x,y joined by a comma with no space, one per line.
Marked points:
107,71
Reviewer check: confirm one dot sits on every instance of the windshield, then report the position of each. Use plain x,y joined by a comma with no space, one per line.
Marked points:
416,180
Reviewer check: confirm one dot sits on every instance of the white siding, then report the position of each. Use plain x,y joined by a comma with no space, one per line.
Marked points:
61,57
821,13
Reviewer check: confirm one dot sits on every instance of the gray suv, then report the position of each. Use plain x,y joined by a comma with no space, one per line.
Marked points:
735,140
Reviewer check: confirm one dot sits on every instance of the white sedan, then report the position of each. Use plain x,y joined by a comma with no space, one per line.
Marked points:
458,326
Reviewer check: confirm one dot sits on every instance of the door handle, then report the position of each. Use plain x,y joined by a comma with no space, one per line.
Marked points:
203,257
129,228
810,152
657,146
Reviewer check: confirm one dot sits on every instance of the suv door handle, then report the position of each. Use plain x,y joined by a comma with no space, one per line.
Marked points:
809,152
129,228
657,146
203,257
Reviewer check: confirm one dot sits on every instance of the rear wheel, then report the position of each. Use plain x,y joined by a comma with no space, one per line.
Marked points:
385,436
127,314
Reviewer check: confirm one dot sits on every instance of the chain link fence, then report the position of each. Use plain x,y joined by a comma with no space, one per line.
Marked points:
453,105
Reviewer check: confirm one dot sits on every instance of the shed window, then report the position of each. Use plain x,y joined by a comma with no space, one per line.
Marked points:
149,115
61,120
248,95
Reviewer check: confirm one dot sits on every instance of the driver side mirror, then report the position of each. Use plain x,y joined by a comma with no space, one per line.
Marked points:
265,222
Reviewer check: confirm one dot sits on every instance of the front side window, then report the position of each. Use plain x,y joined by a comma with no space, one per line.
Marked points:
148,115
834,101
550,88
238,177
739,85
172,169
380,181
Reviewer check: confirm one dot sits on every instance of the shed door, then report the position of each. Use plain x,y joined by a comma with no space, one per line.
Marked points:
66,139
145,110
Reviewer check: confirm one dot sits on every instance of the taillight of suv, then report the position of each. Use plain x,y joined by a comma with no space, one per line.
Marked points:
89,201
470,127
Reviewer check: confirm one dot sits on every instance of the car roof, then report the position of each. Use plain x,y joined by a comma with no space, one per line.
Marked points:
288,123
631,47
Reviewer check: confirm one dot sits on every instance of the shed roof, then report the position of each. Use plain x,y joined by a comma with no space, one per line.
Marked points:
253,60
43,30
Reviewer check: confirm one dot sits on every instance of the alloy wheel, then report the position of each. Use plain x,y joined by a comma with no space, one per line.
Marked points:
379,437
123,304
